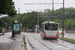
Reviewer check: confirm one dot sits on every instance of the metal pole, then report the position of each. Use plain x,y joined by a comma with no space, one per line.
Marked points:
34,23
6,27
38,21
63,21
74,26
52,9
18,14
73,23
2,23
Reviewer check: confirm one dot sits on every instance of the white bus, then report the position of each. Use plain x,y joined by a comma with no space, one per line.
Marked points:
49,30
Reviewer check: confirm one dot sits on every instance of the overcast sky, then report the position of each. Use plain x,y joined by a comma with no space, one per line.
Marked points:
27,8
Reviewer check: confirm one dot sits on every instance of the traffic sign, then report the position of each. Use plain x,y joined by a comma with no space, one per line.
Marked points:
15,21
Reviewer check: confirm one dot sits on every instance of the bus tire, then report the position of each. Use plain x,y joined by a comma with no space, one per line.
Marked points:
56,38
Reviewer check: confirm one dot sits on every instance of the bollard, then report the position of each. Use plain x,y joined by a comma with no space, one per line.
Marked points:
12,35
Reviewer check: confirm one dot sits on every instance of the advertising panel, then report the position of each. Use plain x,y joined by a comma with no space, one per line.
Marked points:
16,27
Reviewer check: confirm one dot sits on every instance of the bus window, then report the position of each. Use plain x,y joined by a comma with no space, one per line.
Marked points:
51,26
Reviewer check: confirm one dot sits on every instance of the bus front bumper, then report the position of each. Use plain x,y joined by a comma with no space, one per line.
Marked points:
51,36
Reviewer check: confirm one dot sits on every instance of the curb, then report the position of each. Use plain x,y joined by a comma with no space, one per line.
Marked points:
67,40
12,45
22,43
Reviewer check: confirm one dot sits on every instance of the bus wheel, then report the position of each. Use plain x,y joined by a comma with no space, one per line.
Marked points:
56,38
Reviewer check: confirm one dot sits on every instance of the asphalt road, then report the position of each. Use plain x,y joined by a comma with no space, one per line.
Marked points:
5,41
35,42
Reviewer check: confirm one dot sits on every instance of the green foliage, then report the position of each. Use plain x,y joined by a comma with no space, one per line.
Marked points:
7,7
69,20
68,40
48,20
0,29
59,21
30,19
69,23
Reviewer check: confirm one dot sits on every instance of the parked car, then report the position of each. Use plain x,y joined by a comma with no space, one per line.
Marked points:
2,34
60,31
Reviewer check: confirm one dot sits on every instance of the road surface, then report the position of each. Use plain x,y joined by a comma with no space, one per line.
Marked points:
35,42
5,42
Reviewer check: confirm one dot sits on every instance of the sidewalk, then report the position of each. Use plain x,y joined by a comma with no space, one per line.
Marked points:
70,35
18,43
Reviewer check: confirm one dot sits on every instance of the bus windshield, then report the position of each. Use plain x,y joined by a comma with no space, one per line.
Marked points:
49,26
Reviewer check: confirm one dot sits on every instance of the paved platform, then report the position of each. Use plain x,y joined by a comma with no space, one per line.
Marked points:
18,43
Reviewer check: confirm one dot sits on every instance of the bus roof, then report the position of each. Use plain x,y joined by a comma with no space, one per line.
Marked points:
48,22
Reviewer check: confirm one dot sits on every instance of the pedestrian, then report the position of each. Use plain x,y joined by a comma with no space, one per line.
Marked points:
64,31
3,31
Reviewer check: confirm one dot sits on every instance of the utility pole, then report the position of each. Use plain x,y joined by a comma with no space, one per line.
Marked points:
52,9
34,22
63,21
38,21
18,14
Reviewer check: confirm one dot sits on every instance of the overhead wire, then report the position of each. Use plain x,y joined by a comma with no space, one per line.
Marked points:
57,0
44,1
39,5
48,2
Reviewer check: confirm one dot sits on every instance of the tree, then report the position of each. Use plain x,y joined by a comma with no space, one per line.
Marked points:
7,7
47,12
